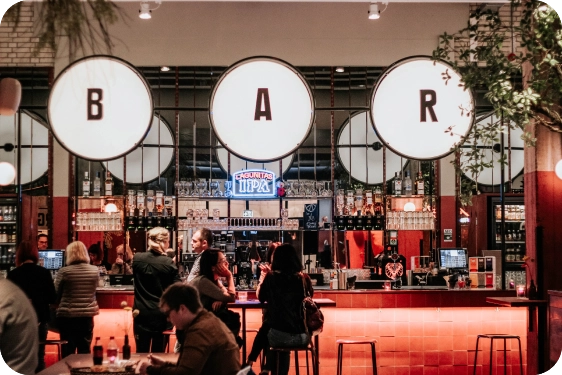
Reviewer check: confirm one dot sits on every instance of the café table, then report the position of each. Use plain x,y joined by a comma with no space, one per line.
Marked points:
256,304
86,360
519,302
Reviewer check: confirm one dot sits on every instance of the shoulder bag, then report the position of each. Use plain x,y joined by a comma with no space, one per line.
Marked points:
312,316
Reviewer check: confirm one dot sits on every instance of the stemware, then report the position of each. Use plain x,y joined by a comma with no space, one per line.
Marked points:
321,187
340,201
228,189
215,189
328,192
289,192
202,186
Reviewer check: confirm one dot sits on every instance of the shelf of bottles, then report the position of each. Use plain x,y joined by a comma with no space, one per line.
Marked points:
514,232
359,209
149,210
8,233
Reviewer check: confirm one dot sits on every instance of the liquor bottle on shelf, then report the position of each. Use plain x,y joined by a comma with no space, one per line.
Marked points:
86,185
358,201
407,183
420,187
378,209
11,214
97,185
108,184
150,202
398,184
368,206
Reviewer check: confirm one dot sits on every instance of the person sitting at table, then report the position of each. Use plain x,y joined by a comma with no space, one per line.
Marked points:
214,296
123,262
261,343
209,346
283,290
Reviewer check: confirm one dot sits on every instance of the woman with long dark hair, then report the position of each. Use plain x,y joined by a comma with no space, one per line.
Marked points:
37,283
284,290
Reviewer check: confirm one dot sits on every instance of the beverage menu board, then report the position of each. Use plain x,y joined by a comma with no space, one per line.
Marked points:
51,259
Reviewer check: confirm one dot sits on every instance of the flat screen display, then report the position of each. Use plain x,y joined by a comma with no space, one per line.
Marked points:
452,258
51,259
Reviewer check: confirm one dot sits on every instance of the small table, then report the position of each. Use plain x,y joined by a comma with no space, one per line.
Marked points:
86,360
256,304
519,302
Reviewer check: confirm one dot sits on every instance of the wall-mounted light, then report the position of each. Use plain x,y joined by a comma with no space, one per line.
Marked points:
7,173
374,11
558,169
409,207
110,207
145,12
340,69
165,69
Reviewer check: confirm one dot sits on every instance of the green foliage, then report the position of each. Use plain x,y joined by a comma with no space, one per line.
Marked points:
83,22
477,52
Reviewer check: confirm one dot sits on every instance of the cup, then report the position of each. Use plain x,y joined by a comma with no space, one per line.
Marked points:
387,285
520,291
243,296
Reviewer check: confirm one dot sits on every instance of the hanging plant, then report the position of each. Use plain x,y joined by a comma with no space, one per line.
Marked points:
478,53
84,23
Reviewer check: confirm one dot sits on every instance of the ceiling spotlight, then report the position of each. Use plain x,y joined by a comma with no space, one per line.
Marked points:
374,13
165,69
145,12
340,69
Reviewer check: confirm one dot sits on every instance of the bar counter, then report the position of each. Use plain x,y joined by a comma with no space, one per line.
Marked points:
417,331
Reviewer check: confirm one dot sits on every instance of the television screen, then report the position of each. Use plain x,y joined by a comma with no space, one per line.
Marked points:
51,259
453,258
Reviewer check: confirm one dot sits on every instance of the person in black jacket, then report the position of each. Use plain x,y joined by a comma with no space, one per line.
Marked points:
153,272
37,283
284,290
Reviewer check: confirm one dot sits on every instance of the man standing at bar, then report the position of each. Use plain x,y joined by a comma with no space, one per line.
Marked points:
201,241
209,346
42,242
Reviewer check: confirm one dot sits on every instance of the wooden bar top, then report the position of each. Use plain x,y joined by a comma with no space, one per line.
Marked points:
514,301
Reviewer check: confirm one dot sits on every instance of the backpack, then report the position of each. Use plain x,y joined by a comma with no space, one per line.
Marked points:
312,316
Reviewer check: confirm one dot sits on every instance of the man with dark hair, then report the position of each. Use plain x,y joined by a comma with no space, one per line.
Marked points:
201,241
209,346
42,242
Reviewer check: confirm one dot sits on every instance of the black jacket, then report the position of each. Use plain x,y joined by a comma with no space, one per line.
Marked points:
152,274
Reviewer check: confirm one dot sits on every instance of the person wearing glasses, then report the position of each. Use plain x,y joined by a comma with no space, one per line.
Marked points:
214,295
209,346
42,242
153,272
123,262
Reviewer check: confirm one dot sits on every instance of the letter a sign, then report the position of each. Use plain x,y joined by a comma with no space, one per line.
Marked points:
261,109
100,108
417,104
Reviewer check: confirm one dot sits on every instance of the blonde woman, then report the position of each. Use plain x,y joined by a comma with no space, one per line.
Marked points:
153,272
76,289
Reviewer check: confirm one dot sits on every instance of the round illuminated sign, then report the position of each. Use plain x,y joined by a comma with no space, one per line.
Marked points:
261,109
158,145
491,151
361,157
100,108
34,146
238,164
416,106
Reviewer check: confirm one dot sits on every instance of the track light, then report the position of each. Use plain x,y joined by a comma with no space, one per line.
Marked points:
374,13
145,12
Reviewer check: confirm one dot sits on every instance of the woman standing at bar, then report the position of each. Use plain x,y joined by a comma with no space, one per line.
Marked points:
153,272
76,287
38,285
284,289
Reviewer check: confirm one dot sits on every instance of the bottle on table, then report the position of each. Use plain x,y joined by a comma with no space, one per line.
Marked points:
98,352
97,185
112,350
86,185
126,348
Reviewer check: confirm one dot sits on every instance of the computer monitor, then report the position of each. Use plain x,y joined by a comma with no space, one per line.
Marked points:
453,258
51,259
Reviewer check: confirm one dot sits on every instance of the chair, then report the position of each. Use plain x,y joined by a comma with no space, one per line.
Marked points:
356,341
58,343
167,335
310,348
499,336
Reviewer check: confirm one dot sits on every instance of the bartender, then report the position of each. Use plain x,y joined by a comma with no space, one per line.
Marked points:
122,265
42,242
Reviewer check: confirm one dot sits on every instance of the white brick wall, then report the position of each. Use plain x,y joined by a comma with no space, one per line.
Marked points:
17,45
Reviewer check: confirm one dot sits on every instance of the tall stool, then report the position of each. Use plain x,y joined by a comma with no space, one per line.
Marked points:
310,348
58,344
261,356
167,335
357,341
499,336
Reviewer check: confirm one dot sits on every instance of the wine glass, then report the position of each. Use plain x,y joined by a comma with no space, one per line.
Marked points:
228,189
297,185
178,187
321,188
328,192
215,185
202,186
340,201
289,189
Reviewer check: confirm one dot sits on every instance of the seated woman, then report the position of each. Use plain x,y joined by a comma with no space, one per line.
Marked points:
124,261
284,290
214,296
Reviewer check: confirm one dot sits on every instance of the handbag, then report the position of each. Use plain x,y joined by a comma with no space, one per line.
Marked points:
312,316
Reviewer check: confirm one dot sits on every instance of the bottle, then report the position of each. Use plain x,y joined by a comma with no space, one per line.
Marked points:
398,184
532,291
112,350
98,352
420,187
126,348
109,184
407,183
97,185
378,201
11,216
86,185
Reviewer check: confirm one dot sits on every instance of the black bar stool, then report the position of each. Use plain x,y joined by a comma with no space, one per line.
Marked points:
499,336
310,348
357,341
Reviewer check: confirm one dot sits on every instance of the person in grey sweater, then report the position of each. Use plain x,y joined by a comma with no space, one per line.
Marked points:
19,340
76,289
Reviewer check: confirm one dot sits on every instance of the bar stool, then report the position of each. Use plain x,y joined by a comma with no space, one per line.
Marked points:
310,348
58,344
167,335
253,330
499,336
356,341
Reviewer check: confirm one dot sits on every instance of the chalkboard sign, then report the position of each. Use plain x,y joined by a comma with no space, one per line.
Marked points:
311,216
